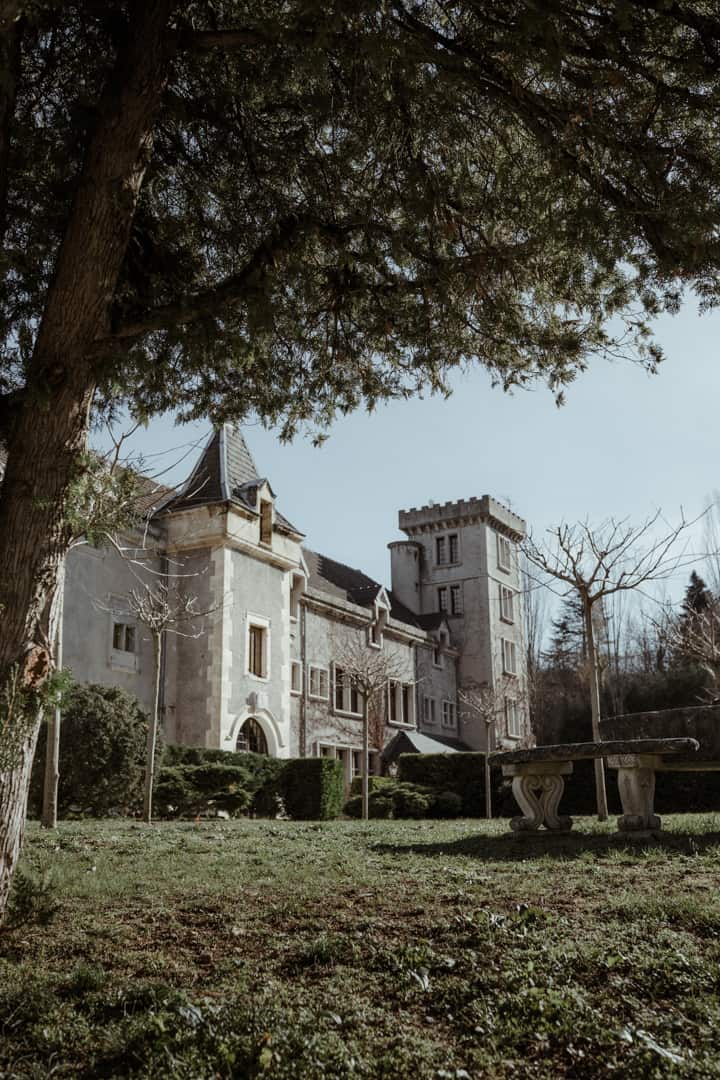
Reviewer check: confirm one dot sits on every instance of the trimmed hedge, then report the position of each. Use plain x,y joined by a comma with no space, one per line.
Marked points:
463,774
392,798
187,790
197,780
313,788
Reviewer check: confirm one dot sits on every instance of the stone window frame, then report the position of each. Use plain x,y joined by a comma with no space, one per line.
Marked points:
348,690
322,669
449,714
512,708
507,610
258,622
509,656
296,667
123,659
429,716
504,553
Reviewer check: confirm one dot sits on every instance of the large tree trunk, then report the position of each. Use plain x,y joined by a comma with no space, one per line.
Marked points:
50,432
13,805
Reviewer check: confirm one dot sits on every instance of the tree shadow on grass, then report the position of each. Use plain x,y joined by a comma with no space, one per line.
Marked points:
520,847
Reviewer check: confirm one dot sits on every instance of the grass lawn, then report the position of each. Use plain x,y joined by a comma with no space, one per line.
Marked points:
349,949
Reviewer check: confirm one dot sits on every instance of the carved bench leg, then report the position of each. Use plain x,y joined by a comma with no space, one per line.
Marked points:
538,796
637,794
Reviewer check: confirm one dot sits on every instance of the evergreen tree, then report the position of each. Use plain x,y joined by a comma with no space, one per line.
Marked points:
291,209
698,597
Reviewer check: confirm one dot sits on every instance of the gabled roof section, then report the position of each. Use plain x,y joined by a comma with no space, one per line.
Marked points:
336,579
414,742
333,578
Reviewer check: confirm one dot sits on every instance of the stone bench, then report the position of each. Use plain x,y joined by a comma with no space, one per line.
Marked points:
538,779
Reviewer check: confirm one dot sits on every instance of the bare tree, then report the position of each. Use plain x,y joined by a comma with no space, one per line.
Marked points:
696,636
596,562
103,502
535,623
163,607
369,671
481,700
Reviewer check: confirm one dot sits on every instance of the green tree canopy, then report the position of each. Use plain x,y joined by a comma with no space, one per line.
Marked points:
344,200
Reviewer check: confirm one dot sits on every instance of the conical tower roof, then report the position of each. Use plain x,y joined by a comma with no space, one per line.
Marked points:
225,472
225,465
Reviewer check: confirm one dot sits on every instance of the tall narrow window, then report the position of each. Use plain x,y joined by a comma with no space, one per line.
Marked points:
509,657
257,650
339,688
318,683
512,718
456,606
507,604
295,677
441,551
394,703
406,703
453,549
265,521
442,598
503,552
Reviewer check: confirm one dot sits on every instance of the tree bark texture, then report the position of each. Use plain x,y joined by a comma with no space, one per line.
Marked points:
51,427
594,677
14,784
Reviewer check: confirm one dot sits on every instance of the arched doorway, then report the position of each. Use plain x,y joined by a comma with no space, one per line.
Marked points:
251,738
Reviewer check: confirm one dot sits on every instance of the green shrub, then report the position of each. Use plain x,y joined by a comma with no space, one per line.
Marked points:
410,801
462,773
353,807
380,806
33,899
448,804
375,783
187,790
313,788
102,753
263,774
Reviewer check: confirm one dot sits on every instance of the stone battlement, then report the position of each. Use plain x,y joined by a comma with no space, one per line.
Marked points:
437,515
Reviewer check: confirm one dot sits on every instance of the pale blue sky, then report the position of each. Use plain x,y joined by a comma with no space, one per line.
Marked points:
624,444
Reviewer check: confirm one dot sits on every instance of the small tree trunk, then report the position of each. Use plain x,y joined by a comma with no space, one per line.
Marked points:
48,819
488,789
365,761
600,792
152,731
14,784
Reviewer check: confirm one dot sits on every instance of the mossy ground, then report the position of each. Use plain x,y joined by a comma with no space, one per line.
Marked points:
346,949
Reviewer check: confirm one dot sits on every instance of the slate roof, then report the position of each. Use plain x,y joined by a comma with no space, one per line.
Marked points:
226,472
334,578
415,742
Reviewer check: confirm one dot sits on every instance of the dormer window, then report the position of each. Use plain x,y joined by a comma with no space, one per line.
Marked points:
380,617
266,514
